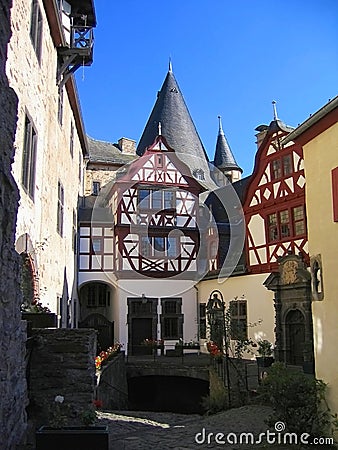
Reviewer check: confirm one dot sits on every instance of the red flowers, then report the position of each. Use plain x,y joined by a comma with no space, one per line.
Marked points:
214,350
98,403
104,355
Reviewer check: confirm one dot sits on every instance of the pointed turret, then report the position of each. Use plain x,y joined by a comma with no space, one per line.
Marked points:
178,128
224,160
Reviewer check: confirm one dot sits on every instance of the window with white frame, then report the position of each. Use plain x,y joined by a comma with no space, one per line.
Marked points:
159,247
171,318
238,319
156,199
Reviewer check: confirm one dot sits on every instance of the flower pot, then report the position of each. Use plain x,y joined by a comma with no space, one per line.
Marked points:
265,361
70,438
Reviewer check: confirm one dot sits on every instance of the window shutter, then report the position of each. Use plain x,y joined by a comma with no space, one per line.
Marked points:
335,193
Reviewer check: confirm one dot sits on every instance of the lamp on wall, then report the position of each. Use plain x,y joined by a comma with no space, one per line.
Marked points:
144,299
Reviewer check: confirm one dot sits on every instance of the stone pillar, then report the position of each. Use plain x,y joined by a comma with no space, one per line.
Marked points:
13,393
62,363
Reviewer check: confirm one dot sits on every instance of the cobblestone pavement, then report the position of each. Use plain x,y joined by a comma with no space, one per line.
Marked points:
161,431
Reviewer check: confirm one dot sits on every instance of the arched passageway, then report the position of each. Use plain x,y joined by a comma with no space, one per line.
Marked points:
167,393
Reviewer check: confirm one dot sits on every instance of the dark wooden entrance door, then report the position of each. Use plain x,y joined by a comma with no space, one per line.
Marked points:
295,337
105,328
141,330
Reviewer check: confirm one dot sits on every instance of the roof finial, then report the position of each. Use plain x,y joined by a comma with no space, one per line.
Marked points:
275,117
170,65
159,129
220,129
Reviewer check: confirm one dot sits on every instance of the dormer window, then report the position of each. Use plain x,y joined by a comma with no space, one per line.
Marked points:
199,174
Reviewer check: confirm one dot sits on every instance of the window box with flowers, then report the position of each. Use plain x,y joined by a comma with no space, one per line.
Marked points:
153,345
59,434
107,355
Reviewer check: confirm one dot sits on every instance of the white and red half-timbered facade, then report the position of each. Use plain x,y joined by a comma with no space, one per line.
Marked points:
274,206
148,256
140,252
156,209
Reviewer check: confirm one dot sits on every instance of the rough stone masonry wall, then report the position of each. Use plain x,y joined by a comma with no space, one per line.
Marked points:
12,331
62,363
112,387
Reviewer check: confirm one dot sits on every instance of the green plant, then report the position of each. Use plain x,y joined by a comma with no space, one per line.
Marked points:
88,417
242,346
35,307
265,348
217,400
58,413
298,400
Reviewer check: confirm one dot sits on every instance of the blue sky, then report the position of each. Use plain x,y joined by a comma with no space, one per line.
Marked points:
230,58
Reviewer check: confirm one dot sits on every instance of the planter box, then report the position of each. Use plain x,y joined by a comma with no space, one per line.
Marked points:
71,438
40,320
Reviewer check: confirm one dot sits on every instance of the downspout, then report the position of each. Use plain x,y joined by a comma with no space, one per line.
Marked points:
197,314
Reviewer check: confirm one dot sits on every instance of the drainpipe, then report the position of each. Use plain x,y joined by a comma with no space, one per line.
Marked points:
197,314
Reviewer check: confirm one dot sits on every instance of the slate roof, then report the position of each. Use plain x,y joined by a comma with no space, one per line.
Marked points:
224,158
106,152
178,128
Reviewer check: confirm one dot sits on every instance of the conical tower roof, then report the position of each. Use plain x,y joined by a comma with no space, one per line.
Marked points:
224,159
178,128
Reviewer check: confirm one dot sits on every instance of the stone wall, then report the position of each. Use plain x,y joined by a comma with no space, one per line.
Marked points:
61,363
112,387
56,159
12,332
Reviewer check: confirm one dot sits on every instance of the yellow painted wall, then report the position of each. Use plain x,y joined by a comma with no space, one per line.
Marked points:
260,301
321,156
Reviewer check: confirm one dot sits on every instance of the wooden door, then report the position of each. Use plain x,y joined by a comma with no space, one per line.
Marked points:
295,337
141,329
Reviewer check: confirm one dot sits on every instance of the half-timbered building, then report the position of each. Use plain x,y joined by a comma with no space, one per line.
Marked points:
274,206
148,238
273,200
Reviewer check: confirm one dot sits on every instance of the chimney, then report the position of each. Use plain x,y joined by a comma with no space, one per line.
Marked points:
262,130
127,146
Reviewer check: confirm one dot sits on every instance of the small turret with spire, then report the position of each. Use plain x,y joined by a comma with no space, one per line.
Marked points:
224,160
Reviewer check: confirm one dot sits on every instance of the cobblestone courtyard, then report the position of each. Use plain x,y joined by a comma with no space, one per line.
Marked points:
146,430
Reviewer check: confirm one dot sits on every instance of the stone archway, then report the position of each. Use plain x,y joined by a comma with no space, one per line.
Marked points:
95,312
293,312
